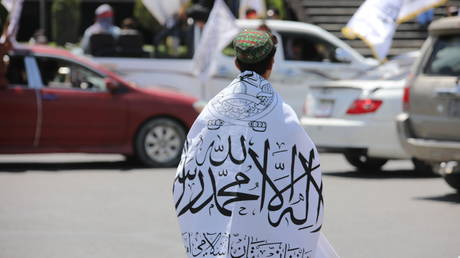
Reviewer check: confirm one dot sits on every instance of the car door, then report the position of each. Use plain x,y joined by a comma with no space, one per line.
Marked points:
18,108
435,93
78,110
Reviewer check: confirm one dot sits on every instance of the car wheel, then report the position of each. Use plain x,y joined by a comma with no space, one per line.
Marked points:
363,162
453,180
423,168
159,142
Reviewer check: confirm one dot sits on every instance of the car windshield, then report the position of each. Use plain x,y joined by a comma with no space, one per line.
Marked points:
100,68
395,69
445,59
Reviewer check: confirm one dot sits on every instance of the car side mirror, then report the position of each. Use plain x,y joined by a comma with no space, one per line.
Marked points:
110,84
343,56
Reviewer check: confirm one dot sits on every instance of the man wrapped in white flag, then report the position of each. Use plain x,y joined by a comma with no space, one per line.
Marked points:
249,181
375,21
217,33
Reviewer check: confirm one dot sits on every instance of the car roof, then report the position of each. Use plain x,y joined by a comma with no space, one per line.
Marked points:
445,26
59,52
62,53
298,27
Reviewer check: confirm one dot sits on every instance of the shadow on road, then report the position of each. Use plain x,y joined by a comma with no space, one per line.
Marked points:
452,198
56,167
385,174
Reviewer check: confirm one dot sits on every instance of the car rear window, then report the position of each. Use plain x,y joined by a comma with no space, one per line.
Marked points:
445,58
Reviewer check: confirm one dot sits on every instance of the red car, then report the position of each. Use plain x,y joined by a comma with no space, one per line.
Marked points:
59,102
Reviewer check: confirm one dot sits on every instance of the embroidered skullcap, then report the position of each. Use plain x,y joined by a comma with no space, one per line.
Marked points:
252,46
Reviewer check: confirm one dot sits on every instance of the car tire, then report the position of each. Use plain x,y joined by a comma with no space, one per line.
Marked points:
423,168
159,142
453,180
363,162
131,159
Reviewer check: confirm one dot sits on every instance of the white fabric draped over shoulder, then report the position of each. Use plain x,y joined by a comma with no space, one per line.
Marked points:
249,182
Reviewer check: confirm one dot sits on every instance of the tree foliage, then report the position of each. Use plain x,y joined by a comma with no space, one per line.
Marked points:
65,15
144,17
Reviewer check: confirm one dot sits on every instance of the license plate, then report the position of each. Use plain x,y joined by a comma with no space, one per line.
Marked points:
324,108
453,109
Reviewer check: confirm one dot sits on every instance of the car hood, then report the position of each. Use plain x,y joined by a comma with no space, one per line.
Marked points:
166,94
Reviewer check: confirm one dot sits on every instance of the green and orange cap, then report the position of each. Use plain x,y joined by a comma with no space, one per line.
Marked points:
252,46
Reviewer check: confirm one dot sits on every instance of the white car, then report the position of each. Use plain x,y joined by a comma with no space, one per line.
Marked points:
321,56
357,117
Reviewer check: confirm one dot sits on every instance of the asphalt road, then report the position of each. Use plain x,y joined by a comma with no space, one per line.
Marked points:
74,206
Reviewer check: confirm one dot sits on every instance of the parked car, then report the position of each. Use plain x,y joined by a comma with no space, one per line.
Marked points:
356,117
306,54
429,128
59,102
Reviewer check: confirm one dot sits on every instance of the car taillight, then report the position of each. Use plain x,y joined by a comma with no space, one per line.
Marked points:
406,98
363,106
406,93
305,108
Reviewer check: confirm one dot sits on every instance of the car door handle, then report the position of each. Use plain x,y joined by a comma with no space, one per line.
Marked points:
49,96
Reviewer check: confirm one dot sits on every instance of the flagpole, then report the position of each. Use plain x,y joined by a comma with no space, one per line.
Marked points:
43,15
217,33
203,90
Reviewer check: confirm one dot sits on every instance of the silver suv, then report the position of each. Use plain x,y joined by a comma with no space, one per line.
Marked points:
430,127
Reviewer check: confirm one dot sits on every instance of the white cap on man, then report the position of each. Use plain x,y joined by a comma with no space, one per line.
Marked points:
104,10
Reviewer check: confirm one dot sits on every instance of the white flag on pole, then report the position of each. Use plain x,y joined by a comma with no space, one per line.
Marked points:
375,21
14,7
219,30
8,4
163,9
375,24
411,8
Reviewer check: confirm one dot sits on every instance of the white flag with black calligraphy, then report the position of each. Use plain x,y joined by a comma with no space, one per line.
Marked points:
218,32
375,21
249,181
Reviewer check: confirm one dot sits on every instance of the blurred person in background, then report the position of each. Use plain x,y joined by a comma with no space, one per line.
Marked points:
252,9
197,15
251,14
451,10
273,14
170,35
39,37
103,24
5,47
129,26
424,19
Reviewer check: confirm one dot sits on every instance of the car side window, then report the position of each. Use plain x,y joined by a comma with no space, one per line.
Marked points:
303,47
59,73
445,58
16,71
